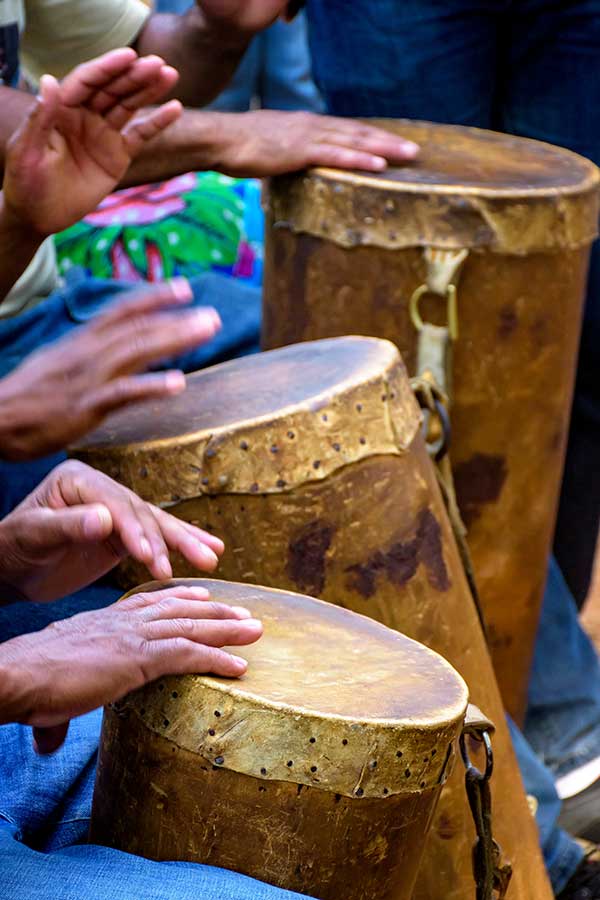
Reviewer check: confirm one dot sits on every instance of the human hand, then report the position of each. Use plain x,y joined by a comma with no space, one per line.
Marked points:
78,524
95,658
65,389
78,141
270,142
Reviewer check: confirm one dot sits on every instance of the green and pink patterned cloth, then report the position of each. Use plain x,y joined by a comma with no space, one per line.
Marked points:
185,226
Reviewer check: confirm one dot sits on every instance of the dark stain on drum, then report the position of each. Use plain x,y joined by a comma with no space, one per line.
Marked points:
401,560
478,481
306,556
508,322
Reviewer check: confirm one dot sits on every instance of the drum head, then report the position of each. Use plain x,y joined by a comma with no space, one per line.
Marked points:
248,389
317,657
484,162
330,699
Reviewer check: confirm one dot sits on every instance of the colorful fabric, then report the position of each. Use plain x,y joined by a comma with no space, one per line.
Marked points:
185,226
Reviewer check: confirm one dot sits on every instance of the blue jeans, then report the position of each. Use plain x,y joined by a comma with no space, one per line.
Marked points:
238,304
45,805
528,67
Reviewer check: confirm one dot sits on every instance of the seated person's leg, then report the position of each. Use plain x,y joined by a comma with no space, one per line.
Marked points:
45,807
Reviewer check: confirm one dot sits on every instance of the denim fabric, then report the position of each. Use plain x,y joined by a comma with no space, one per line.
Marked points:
238,304
529,67
45,805
563,718
23,618
562,854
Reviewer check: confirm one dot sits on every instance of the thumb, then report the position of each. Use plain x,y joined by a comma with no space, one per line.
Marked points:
48,740
87,523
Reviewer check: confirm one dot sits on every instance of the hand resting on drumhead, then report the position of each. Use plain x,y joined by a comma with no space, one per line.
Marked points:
94,658
65,389
79,523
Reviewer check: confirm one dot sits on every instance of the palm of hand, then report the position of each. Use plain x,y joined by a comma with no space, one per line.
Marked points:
81,161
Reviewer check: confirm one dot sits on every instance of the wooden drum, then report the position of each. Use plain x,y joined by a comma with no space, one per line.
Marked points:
310,463
318,771
505,223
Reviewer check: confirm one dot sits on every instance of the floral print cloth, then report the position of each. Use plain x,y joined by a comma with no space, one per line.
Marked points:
185,226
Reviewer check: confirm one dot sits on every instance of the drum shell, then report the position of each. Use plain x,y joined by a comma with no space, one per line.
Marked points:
513,374
174,805
352,539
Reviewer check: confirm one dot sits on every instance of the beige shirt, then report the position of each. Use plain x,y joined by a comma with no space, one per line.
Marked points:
57,36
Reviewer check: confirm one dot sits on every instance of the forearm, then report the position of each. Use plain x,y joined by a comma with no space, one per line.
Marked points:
18,246
16,684
204,57
195,143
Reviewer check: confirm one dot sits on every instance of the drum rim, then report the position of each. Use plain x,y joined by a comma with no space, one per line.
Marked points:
590,182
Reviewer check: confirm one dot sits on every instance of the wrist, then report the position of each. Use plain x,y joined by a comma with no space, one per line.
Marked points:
14,229
17,688
11,588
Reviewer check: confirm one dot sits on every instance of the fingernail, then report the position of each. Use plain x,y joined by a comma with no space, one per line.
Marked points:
209,556
410,147
164,567
200,320
175,382
145,548
238,663
181,288
200,592
379,162
253,624
96,522
242,612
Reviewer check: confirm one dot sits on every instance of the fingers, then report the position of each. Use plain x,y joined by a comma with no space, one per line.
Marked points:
178,656
122,111
199,547
144,128
50,528
33,135
123,391
344,158
135,523
175,607
151,298
147,339
369,139
48,740
82,84
210,632
148,599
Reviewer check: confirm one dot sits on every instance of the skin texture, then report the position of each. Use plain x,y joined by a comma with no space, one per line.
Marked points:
65,389
94,658
71,530
79,523
74,147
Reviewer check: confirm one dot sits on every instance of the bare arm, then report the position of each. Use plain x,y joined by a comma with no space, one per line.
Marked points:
205,58
18,245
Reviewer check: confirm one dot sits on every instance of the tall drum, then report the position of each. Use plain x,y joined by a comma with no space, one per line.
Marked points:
485,241
318,771
309,462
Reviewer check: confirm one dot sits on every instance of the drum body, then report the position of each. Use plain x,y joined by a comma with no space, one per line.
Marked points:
318,771
309,462
345,253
